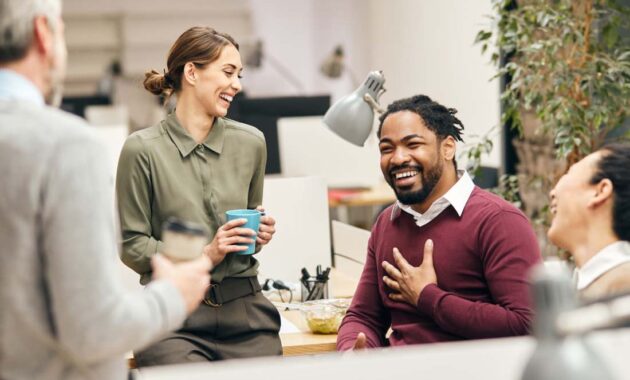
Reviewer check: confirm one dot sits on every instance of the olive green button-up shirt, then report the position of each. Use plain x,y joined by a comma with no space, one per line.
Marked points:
163,172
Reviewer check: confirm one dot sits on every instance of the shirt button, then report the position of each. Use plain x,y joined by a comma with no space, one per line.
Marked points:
200,148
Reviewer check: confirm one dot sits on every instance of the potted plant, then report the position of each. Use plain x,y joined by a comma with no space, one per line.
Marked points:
567,64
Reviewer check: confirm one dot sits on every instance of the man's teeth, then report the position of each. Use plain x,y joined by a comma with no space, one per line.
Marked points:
227,98
405,174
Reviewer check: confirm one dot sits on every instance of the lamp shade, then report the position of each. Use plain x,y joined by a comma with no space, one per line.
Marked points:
352,117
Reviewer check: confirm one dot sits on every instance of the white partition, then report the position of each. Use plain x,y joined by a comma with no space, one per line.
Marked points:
107,115
349,247
113,137
487,359
309,148
300,208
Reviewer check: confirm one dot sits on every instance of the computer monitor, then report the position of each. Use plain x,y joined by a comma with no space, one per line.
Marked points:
77,104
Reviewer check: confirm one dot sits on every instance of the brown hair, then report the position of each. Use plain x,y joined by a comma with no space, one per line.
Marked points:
200,45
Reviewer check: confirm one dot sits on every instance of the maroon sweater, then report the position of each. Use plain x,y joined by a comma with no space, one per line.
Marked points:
481,259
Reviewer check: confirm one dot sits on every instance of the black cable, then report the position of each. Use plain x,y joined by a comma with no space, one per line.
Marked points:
290,295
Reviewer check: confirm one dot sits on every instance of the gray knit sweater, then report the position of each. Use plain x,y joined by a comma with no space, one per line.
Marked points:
63,311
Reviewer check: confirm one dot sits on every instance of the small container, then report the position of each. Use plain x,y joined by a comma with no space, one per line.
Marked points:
183,240
325,316
314,289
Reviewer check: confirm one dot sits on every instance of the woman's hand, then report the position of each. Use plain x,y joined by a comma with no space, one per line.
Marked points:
267,228
226,239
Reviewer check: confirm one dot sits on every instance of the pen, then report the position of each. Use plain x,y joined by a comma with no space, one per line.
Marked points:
305,275
312,292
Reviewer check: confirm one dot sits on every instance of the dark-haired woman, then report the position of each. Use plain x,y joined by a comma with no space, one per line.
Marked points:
195,165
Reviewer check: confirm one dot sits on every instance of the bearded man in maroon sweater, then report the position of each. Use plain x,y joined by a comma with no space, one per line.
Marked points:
449,261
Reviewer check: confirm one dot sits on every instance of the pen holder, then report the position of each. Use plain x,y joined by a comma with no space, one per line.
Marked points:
314,289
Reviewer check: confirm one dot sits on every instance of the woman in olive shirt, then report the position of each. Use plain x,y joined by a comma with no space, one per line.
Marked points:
195,165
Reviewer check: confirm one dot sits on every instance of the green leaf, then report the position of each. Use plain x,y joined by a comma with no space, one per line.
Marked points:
610,34
597,121
483,35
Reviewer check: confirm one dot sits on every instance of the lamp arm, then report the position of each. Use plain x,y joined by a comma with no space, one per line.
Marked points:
285,72
375,106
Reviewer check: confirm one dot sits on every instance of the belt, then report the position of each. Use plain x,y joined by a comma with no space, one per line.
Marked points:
230,289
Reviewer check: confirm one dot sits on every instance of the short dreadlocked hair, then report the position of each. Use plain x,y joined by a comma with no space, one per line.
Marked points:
436,117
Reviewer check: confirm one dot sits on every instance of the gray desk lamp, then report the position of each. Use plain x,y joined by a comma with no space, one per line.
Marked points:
352,117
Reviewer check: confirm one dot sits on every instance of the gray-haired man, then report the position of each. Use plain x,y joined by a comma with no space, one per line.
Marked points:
63,313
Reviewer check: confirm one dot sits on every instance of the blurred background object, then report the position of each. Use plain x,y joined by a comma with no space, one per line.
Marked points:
299,35
333,66
560,354
299,57
255,59
107,82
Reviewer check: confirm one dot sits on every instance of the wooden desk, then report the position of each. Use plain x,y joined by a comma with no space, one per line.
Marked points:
377,196
305,342
341,200
293,344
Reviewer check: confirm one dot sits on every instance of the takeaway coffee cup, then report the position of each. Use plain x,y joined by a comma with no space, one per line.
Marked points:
253,222
183,240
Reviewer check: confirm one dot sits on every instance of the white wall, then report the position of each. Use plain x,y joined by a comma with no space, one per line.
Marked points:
287,30
423,46
426,47
139,33
344,23
300,35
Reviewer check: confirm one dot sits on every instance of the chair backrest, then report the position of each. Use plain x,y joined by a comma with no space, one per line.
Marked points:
107,115
113,137
349,248
308,148
300,208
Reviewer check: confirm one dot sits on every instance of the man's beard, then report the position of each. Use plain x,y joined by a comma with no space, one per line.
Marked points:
430,179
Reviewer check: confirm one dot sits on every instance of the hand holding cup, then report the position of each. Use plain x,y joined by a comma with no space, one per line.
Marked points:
233,236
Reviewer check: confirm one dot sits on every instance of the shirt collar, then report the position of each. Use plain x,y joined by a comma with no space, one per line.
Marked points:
457,196
14,86
186,144
611,256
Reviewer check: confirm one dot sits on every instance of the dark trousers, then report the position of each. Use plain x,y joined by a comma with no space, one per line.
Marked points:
242,328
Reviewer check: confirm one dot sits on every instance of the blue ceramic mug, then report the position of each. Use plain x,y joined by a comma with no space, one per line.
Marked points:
253,223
